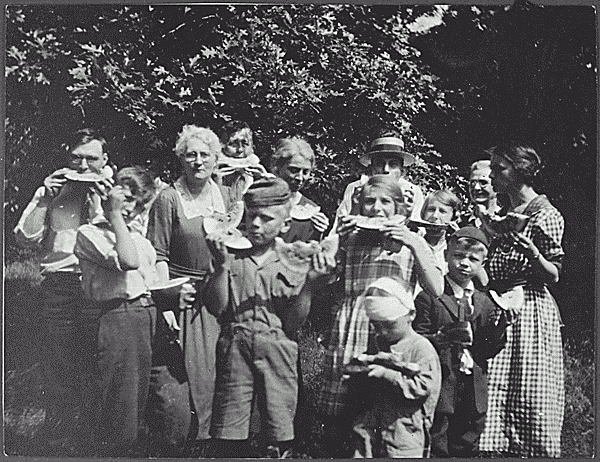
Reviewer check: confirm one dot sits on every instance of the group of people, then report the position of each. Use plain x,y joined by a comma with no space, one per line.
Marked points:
443,339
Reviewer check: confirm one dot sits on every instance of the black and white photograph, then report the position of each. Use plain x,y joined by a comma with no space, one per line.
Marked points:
300,230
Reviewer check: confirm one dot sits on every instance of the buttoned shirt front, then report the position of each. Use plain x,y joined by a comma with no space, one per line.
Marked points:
57,244
261,292
102,276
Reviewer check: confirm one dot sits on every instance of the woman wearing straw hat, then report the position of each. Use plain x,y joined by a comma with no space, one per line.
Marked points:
386,155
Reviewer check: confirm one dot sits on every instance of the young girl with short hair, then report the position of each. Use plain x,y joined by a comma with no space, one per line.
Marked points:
392,251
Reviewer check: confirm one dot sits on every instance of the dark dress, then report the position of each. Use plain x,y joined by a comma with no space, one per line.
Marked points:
301,230
182,385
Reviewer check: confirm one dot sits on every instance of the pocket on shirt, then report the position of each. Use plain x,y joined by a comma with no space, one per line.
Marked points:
404,435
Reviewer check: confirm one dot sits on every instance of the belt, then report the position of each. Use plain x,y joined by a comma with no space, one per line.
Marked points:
143,299
504,285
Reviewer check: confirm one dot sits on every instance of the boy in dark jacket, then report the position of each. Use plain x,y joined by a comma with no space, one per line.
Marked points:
466,330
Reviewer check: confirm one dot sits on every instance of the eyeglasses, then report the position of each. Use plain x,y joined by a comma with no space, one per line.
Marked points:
78,159
481,183
192,156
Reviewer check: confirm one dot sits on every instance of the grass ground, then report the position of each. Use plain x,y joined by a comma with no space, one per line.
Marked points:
25,405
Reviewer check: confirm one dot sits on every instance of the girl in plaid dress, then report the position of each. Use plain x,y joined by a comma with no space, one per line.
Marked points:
367,255
526,388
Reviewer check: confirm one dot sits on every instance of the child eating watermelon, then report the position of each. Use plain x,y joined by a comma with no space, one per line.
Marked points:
260,300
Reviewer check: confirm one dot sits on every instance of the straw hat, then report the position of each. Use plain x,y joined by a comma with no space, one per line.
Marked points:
388,146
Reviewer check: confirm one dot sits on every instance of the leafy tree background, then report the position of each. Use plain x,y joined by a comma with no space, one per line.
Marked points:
334,74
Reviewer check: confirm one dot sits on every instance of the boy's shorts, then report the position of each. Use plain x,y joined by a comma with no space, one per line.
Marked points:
249,364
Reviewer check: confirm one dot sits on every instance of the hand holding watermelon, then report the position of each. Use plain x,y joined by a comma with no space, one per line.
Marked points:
218,249
320,222
323,264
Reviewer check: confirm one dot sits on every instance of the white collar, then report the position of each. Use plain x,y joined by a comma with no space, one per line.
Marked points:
459,291
194,206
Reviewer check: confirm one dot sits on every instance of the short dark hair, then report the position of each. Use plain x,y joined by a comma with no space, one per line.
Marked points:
140,183
84,136
231,128
523,158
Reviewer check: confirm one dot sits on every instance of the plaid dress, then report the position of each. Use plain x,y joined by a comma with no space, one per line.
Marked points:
366,261
526,379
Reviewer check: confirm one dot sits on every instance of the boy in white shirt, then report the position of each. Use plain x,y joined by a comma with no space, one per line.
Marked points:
118,266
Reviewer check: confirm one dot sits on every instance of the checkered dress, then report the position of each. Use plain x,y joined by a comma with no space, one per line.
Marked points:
366,261
526,379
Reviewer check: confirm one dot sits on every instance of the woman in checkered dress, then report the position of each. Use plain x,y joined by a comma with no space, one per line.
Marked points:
526,388
368,254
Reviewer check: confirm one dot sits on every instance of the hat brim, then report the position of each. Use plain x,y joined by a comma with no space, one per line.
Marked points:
366,158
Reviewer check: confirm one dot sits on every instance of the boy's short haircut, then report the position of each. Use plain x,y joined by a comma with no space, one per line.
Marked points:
472,237
470,244
267,192
446,197
140,183
85,136
231,128
286,148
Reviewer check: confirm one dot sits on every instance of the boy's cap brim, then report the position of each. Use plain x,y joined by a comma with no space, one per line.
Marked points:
472,233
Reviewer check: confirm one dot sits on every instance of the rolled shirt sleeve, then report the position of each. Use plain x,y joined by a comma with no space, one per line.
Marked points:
30,240
98,248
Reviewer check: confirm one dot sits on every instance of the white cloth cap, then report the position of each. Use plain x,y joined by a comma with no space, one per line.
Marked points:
381,308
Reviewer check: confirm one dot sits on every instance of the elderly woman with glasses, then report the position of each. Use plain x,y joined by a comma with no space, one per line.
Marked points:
182,385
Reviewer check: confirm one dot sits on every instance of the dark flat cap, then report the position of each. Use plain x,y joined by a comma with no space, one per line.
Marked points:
267,191
472,233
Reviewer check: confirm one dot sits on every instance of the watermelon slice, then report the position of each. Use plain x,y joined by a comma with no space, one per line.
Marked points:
89,177
226,225
297,256
427,225
504,224
377,223
304,212
233,162
220,222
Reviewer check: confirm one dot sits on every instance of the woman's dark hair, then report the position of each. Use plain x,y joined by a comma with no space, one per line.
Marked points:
139,181
230,128
84,136
523,158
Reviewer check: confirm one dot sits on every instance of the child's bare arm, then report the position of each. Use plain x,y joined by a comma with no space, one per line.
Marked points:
429,275
126,251
217,288
322,267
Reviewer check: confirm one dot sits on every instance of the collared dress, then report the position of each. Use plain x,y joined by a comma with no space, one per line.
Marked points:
184,398
366,260
526,379
301,230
